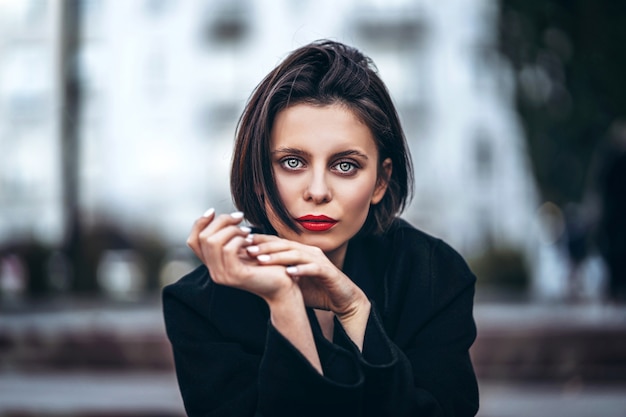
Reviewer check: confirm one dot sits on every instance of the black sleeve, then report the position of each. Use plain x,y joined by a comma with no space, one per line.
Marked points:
290,386
421,368
215,377
432,374
222,377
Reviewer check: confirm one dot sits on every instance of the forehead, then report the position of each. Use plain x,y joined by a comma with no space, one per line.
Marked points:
321,128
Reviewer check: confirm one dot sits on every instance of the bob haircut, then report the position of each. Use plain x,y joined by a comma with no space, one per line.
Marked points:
321,73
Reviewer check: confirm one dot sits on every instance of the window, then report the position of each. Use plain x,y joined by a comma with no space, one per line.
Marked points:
483,156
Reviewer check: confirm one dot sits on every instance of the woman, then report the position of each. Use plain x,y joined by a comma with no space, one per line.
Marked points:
331,306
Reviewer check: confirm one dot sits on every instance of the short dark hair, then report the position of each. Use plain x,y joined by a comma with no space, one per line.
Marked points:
321,73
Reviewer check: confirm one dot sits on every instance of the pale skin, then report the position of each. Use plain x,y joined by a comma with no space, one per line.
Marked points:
325,162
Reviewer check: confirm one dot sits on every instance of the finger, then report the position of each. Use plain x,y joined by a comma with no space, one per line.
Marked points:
233,246
305,270
219,239
225,267
286,258
207,225
230,254
223,220
261,238
289,257
220,222
257,248
198,226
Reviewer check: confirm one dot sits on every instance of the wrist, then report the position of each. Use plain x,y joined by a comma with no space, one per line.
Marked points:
359,304
288,316
354,321
359,308
285,301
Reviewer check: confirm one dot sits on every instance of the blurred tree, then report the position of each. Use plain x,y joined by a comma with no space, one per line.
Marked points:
70,143
569,59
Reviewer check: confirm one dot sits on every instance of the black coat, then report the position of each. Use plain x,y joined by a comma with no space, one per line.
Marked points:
230,360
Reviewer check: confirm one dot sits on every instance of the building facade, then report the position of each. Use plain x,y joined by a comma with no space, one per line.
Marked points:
164,82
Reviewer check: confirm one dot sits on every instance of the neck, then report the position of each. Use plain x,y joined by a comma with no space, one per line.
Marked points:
338,256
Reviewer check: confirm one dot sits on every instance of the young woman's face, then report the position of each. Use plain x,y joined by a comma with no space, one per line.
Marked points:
325,163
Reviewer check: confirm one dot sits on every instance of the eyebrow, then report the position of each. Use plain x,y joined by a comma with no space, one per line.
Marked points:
342,154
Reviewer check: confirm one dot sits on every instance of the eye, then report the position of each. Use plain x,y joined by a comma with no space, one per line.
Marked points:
346,167
292,163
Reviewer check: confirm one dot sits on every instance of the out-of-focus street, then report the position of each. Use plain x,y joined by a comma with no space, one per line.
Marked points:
89,394
81,358
77,357
551,360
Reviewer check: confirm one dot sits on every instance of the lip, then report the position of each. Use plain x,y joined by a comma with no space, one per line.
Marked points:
315,223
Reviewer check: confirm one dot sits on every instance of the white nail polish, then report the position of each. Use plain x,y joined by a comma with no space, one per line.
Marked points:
245,229
253,249
250,238
237,215
291,270
209,212
263,258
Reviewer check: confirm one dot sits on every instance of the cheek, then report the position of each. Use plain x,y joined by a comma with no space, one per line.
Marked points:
286,189
358,197
364,200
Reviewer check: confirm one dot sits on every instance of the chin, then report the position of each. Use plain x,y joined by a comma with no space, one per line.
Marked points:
325,243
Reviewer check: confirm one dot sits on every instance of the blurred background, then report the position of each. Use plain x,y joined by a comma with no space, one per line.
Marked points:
116,125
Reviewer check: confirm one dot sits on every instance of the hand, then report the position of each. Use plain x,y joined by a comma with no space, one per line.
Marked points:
324,286
220,244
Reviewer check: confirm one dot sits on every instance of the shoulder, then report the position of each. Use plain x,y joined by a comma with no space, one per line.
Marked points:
425,261
412,276
403,245
193,289
405,238
401,231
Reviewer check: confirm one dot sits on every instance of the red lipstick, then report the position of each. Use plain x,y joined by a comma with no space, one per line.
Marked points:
316,223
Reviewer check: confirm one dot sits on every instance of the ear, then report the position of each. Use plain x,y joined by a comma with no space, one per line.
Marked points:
382,182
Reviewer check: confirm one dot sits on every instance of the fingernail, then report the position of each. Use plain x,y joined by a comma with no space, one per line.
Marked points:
250,238
209,212
237,215
253,249
291,270
245,229
263,258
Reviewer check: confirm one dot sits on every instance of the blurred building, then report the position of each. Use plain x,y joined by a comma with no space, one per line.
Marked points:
164,82
30,162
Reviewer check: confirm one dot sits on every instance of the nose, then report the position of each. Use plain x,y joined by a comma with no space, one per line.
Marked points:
317,189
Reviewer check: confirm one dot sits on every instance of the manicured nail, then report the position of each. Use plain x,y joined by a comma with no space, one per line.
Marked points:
209,212
263,258
253,249
250,238
237,215
245,229
291,270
